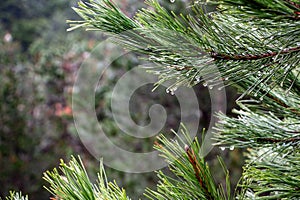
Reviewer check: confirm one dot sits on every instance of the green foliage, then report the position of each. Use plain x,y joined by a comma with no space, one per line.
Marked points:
252,129
30,128
276,173
193,179
36,83
103,14
279,9
27,19
254,45
190,46
16,196
74,183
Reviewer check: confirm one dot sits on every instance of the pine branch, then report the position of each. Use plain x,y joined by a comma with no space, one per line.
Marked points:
74,183
187,48
276,175
257,130
193,180
278,9
294,4
103,15
16,196
273,140
254,57
255,47
198,171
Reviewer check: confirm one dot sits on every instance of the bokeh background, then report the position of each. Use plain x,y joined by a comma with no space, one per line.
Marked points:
38,65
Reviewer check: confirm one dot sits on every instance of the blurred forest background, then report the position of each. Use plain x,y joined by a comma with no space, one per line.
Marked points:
38,65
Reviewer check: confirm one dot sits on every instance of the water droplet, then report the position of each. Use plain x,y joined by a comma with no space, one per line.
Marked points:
281,84
167,90
172,1
186,147
261,98
172,92
222,148
205,84
259,73
284,144
210,87
238,37
255,94
231,148
226,79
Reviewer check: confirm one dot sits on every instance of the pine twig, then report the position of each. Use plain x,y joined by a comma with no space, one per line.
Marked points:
253,57
293,4
282,104
197,169
273,140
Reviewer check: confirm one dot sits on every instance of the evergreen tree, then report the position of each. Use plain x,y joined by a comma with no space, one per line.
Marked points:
254,45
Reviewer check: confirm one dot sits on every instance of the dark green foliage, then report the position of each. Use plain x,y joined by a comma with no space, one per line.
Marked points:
254,45
194,178
27,19
199,43
16,196
278,9
31,135
35,84
74,183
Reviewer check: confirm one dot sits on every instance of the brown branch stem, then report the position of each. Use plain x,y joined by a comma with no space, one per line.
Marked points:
283,104
198,170
253,57
274,140
293,4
